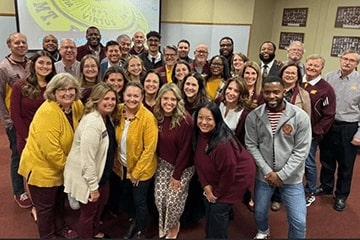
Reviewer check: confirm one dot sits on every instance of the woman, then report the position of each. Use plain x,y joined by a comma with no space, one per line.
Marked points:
89,163
48,144
89,75
251,73
180,70
238,59
137,137
117,78
193,91
217,76
291,74
234,105
135,68
152,83
226,170
27,96
175,167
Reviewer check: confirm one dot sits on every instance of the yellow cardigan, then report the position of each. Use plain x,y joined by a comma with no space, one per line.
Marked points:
48,144
141,145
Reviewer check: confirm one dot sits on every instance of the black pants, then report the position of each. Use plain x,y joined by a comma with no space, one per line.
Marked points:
217,219
337,148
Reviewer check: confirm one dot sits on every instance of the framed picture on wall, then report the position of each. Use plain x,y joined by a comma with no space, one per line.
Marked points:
287,37
340,44
294,17
348,17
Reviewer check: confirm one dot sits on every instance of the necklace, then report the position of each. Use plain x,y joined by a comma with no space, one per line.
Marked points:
128,116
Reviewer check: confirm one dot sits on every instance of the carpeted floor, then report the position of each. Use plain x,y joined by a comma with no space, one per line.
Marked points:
322,220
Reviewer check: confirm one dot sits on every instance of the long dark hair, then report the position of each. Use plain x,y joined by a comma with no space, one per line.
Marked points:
220,133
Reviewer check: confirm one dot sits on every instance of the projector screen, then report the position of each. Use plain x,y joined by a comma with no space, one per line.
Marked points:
71,18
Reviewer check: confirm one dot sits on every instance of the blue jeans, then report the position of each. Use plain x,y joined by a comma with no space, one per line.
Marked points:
293,197
16,179
310,168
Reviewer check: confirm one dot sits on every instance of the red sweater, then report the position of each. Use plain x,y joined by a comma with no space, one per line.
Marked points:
228,169
22,111
174,145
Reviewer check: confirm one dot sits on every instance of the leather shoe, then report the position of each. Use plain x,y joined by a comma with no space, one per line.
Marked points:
322,191
130,233
340,204
140,235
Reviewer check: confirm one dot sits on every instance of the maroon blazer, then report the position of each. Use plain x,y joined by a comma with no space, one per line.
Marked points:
84,50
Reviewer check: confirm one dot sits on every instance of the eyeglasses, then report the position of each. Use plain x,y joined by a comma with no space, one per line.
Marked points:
290,73
217,64
65,90
155,40
201,52
68,47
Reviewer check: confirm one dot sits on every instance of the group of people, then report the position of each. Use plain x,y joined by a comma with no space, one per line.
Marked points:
148,131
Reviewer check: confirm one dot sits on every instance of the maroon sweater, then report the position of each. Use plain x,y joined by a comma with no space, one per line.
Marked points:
230,170
22,111
174,145
323,107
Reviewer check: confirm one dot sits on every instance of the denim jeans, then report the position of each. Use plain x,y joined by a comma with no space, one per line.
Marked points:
310,168
217,219
293,198
140,193
16,179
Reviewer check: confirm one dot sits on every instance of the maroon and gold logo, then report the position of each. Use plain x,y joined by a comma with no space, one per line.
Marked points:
287,129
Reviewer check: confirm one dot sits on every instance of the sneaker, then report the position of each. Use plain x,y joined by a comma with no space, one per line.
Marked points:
23,200
260,235
275,206
310,199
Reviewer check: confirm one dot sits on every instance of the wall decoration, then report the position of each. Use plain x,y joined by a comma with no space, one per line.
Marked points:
287,37
294,17
340,44
348,17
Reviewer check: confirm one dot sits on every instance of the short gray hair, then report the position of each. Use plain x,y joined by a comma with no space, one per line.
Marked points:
59,81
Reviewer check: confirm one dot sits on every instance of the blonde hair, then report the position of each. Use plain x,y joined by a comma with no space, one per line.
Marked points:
59,81
97,94
178,113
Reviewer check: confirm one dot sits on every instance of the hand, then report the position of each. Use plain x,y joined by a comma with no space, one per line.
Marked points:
174,184
94,196
135,182
273,179
355,141
208,193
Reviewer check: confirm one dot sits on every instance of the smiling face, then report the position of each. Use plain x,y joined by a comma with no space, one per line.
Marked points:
151,83
181,70
125,45
43,66
183,49
68,50
191,87
205,120
232,93
18,45
134,67
138,39
290,76
113,54
65,95
132,97
90,69
237,62
50,43
168,102
93,37
273,93
116,80
107,104
348,62
250,76
313,68
217,67
170,56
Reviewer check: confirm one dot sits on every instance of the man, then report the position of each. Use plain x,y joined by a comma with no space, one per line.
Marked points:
50,44
13,68
68,63
227,48
125,45
269,66
170,56
340,144
183,47
138,43
152,58
278,136
200,63
295,52
113,56
323,103
93,45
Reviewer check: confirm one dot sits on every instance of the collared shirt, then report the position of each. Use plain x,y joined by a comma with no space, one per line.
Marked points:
73,70
157,57
347,90
311,82
269,65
